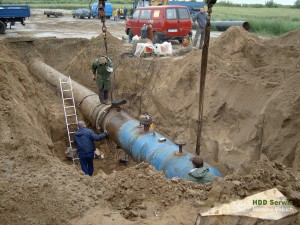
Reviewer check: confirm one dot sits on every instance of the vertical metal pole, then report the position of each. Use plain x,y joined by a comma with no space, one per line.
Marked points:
203,76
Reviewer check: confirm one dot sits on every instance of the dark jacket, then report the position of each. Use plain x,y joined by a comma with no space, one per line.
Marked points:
84,139
201,19
199,175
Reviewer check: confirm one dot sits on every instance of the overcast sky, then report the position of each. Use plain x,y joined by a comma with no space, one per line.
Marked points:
282,2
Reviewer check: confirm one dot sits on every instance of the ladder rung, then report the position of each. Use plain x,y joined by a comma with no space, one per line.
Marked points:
65,82
67,107
71,141
67,98
67,90
72,132
71,115
72,123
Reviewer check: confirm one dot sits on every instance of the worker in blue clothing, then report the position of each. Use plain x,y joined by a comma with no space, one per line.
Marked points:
84,139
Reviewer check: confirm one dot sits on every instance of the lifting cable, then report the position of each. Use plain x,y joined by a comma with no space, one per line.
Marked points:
210,4
102,16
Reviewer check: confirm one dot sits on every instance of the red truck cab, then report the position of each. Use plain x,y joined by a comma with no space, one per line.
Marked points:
170,22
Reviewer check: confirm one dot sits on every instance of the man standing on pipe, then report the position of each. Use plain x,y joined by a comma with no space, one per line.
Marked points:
200,19
102,69
84,139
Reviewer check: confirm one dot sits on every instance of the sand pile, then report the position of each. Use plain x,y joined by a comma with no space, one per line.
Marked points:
251,112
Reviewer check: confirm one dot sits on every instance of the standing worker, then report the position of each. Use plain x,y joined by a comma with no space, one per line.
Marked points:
84,139
125,11
102,68
150,30
115,14
200,19
199,174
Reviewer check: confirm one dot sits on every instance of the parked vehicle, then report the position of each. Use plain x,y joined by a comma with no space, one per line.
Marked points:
51,13
169,22
108,10
11,14
191,5
82,13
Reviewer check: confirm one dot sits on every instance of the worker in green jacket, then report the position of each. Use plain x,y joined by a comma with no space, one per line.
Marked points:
199,174
102,68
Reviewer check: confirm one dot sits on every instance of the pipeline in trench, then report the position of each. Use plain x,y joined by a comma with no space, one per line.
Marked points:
140,142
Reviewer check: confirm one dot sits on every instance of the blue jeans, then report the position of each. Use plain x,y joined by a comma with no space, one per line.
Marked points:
86,162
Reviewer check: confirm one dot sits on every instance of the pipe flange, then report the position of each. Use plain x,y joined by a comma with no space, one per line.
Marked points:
95,112
100,117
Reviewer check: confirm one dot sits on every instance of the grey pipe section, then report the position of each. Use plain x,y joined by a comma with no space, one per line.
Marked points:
224,25
87,100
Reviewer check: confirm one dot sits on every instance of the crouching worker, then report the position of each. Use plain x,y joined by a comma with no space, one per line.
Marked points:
84,139
199,174
102,69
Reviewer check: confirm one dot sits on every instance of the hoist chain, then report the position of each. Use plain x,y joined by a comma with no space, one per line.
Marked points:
102,16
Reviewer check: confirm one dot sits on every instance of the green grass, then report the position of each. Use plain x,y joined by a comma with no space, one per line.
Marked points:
263,21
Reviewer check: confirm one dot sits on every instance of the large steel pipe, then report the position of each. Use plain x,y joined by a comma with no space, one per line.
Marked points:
224,25
87,100
124,130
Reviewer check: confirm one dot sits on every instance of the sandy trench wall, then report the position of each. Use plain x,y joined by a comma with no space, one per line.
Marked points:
35,186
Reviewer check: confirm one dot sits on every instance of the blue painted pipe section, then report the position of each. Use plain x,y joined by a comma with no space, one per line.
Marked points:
146,147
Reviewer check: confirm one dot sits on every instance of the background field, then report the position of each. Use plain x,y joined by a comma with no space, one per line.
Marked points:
263,21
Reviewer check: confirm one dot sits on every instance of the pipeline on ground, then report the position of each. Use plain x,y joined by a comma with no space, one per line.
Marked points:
139,141
224,25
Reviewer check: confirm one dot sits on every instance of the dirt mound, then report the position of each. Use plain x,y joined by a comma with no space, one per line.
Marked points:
289,39
256,177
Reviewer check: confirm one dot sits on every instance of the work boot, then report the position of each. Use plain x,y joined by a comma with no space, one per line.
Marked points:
107,102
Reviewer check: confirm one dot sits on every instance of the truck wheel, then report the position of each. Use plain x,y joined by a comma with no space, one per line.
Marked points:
48,15
130,35
156,38
2,27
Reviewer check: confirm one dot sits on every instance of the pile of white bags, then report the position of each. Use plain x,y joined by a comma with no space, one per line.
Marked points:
157,49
